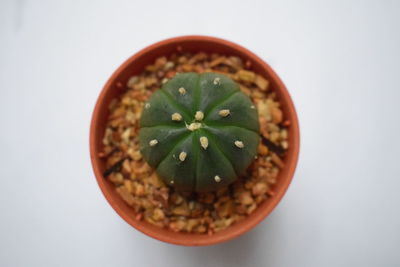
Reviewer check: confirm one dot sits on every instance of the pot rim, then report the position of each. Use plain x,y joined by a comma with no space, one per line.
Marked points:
176,238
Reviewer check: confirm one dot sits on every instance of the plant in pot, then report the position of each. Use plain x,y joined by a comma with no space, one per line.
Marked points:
194,140
199,132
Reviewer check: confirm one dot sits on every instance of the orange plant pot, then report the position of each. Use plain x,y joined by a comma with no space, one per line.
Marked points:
135,65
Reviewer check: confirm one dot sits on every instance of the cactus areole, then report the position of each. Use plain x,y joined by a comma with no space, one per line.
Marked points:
199,132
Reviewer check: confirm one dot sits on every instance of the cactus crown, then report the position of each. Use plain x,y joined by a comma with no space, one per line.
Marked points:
199,132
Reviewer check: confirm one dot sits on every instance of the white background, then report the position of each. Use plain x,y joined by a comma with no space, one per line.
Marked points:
339,60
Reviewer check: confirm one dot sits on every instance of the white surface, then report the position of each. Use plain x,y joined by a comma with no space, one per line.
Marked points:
340,61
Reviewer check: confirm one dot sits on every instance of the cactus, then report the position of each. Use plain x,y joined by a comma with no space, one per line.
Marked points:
199,132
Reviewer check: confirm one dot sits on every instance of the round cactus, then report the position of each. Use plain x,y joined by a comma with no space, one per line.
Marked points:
199,132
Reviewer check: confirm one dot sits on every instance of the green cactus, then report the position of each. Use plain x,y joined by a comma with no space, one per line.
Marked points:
199,132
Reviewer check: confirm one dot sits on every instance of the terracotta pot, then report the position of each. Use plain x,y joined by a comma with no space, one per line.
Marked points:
135,65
